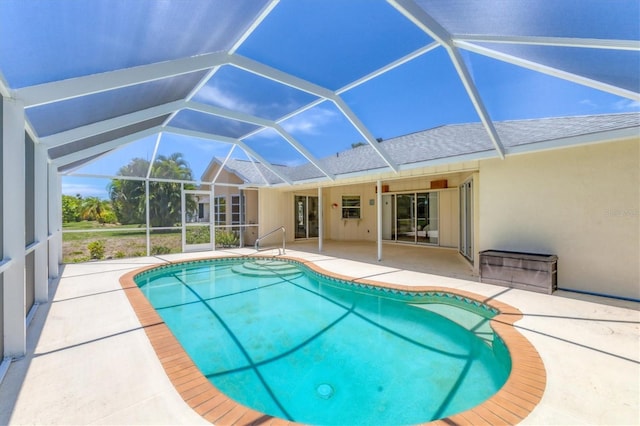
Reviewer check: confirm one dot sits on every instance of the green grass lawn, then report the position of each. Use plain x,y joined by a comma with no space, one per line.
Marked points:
108,230
120,241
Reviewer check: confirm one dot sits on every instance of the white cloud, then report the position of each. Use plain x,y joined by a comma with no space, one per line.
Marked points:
627,105
210,147
217,96
310,121
589,103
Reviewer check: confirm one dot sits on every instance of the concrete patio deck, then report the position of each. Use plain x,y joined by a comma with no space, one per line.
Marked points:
90,362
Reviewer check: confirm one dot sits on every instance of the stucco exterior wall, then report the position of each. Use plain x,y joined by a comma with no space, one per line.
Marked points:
580,203
449,215
251,216
275,210
224,177
227,192
251,206
363,229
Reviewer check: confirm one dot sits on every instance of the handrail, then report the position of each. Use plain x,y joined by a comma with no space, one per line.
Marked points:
284,235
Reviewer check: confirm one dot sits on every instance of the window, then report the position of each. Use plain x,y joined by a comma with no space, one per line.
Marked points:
351,207
220,210
235,210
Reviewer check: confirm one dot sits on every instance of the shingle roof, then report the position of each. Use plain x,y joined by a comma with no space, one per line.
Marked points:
443,142
251,173
515,133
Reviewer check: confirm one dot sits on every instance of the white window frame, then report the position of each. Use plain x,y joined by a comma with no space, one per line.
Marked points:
220,217
348,208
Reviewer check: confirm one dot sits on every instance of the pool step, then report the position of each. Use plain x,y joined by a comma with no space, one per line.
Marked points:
266,268
272,265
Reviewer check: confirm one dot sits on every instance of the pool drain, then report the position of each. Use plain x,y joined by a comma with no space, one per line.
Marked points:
324,391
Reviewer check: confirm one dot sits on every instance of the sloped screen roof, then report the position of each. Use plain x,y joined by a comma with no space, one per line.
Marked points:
291,84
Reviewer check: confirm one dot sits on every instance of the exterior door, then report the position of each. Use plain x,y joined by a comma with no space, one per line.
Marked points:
405,217
416,218
466,219
388,216
429,225
306,216
197,226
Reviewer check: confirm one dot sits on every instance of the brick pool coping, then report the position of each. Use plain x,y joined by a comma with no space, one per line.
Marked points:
520,394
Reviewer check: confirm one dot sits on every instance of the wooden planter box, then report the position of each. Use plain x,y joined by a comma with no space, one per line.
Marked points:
526,271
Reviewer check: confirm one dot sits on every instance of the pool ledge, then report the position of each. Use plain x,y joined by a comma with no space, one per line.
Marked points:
520,394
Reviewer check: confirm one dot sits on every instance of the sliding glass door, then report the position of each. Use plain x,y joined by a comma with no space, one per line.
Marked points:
411,218
466,219
306,214
428,217
405,217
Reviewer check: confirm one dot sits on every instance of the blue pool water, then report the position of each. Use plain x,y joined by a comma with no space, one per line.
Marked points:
283,340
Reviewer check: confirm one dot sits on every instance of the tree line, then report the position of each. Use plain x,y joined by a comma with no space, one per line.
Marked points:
127,202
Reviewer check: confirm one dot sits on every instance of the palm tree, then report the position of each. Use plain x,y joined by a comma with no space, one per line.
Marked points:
165,198
128,200
93,208
128,197
171,167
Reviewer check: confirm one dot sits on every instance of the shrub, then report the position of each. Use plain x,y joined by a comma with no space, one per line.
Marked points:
226,239
198,235
71,208
96,249
108,217
160,250
119,254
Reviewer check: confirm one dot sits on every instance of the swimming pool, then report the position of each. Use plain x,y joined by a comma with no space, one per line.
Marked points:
295,344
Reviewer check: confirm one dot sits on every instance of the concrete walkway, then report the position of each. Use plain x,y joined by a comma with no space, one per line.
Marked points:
89,362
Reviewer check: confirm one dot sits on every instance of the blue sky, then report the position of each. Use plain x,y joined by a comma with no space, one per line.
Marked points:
306,38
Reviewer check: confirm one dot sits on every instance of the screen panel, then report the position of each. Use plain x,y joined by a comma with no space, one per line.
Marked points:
47,119
333,42
432,95
66,39
207,123
120,160
239,90
510,92
564,18
619,68
29,190
324,130
92,141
